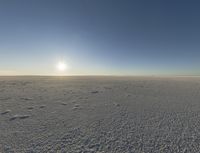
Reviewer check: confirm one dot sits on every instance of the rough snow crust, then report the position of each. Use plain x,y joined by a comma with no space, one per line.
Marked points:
99,115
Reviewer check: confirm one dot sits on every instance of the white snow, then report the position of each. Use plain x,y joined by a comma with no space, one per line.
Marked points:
99,114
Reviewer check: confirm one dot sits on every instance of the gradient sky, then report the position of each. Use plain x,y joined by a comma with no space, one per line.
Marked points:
100,37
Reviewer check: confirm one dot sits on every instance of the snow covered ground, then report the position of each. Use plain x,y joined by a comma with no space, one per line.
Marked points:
99,114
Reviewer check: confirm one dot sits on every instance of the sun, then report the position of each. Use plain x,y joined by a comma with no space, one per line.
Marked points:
61,66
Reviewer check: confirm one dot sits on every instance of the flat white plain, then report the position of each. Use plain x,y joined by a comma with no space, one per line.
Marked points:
99,114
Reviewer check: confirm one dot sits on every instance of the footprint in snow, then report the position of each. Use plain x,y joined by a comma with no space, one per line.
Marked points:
94,92
30,108
42,106
26,98
19,117
116,104
24,116
63,104
6,112
76,106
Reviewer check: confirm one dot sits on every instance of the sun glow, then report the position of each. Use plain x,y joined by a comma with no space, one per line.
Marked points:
61,66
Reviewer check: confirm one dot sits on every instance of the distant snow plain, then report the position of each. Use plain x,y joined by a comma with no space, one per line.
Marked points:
99,114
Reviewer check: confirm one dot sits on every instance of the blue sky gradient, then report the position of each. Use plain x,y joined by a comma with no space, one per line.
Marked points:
100,37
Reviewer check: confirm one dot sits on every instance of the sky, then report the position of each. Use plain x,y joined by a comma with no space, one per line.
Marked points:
100,37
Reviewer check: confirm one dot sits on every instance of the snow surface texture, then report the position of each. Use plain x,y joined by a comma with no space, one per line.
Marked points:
99,115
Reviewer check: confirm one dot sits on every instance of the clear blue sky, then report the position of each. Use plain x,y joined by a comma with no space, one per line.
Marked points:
100,37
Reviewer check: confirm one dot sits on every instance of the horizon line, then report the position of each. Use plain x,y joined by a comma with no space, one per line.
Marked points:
102,75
